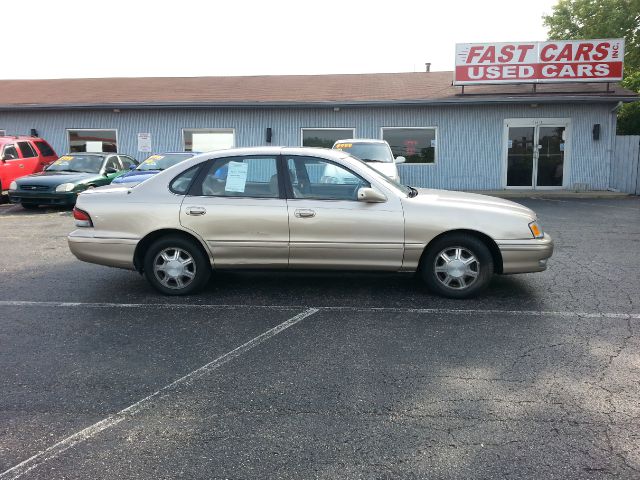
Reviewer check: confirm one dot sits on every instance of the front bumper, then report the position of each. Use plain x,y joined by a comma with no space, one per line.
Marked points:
523,256
111,252
43,198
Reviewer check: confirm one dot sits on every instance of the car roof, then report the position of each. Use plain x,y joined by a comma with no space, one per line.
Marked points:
175,153
13,138
361,140
302,151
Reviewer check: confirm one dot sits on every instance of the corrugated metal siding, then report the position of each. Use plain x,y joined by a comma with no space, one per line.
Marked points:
624,170
470,138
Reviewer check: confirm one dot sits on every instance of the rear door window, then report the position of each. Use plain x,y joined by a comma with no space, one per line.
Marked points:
27,150
240,177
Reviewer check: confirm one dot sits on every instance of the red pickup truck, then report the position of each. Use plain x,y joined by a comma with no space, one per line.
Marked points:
20,156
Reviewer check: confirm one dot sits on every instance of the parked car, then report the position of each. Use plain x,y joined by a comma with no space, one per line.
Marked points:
152,165
62,181
20,156
270,209
375,152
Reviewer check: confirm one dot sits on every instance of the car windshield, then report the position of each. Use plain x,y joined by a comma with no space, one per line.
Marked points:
77,163
392,183
163,161
369,152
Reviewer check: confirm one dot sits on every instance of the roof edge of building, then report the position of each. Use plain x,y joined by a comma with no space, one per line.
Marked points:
468,99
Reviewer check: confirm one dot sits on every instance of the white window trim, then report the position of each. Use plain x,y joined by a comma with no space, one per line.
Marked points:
435,152
537,122
353,131
92,130
232,131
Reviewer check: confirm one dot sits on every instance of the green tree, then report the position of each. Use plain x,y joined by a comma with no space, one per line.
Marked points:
578,19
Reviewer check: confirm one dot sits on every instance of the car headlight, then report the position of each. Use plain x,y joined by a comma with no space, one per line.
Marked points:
13,186
65,187
536,229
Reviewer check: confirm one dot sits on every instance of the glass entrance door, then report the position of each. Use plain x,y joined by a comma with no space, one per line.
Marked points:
550,161
535,155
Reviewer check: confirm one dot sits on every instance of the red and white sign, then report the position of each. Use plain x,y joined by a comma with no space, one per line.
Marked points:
539,62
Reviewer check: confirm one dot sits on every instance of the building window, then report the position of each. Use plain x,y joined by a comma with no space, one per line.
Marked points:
3,133
207,139
84,140
325,137
416,145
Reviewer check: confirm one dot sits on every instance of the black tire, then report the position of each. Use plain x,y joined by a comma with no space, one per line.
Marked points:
465,281
29,206
183,247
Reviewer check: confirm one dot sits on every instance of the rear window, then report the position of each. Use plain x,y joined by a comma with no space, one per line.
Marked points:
44,148
27,150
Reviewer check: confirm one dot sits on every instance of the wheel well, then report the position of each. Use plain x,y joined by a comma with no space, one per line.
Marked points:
145,243
486,239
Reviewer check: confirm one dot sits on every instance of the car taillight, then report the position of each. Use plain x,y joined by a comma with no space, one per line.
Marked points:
82,218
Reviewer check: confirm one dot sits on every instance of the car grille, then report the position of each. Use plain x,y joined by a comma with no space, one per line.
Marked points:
34,188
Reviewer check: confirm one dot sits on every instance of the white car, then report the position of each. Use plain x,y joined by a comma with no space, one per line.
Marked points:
376,153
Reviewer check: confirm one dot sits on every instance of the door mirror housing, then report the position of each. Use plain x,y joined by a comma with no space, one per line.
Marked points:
109,171
132,166
400,159
370,195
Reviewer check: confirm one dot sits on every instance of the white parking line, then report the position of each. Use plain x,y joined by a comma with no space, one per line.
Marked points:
116,418
442,311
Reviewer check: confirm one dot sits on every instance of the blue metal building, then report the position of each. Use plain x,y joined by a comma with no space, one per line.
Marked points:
487,138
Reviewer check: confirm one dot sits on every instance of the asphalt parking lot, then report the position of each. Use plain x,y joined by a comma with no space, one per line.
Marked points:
323,375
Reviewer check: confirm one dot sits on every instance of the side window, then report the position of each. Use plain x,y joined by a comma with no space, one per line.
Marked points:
182,182
323,180
27,150
240,177
113,163
45,148
127,162
9,152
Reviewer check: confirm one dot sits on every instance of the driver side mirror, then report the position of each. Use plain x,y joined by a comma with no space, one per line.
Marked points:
370,195
132,166
400,160
109,171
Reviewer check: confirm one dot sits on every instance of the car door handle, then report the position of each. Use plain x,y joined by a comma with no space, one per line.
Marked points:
196,211
21,165
305,213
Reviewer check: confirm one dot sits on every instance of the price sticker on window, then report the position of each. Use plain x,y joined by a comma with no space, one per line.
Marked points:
341,146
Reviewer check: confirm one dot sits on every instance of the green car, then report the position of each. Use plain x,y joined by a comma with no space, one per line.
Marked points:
62,181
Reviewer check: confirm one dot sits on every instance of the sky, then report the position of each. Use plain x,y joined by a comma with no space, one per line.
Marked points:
140,38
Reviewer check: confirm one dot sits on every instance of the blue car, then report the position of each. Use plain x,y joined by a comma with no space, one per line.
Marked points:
152,165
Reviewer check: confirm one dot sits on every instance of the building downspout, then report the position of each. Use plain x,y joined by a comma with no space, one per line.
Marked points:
612,142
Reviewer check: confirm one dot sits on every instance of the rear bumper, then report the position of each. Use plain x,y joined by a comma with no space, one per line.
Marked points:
111,252
522,256
43,198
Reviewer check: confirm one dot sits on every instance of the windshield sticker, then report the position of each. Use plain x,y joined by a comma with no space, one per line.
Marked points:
63,160
152,159
340,146
236,177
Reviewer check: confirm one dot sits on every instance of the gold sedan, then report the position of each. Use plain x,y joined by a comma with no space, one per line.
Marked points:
302,208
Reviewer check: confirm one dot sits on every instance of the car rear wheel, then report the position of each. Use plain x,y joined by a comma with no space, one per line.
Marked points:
29,206
457,266
175,265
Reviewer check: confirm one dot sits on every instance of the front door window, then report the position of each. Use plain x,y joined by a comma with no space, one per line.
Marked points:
535,155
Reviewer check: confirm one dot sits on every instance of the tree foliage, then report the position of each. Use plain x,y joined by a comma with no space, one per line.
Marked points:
584,19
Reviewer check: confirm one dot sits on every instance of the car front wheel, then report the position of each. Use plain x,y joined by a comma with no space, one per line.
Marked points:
175,265
457,266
